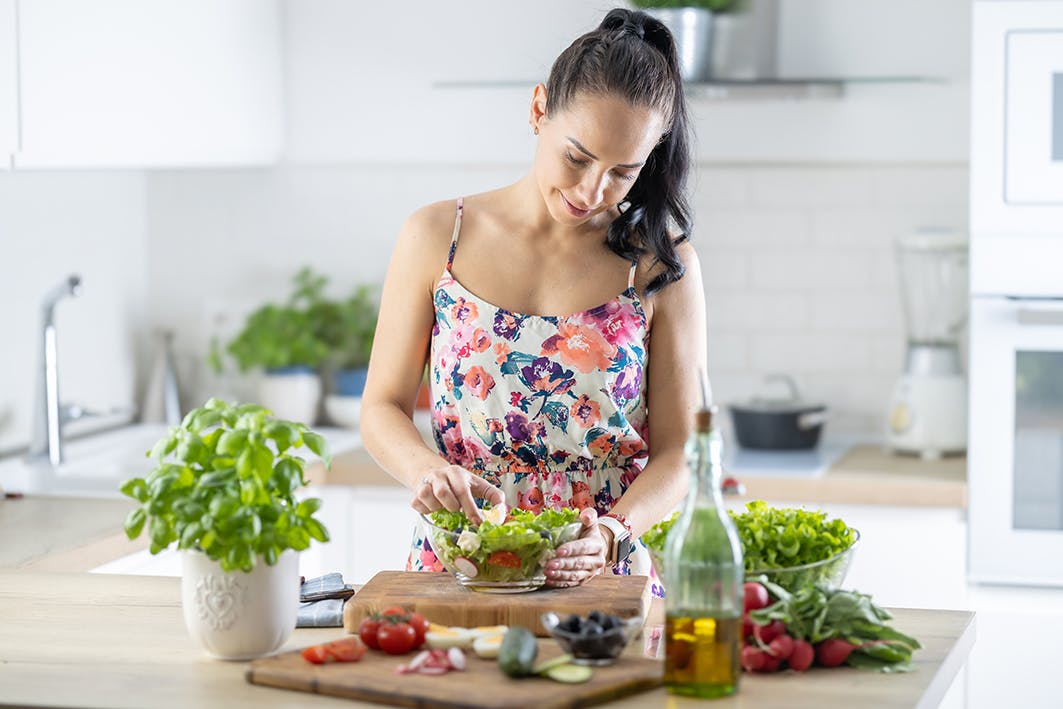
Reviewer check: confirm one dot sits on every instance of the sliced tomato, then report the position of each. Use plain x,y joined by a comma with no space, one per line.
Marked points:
316,654
504,558
349,649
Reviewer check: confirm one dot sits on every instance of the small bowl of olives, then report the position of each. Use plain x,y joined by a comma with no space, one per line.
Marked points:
597,639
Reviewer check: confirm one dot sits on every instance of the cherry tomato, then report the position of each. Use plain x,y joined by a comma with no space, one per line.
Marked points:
756,596
420,626
367,631
395,611
316,654
396,638
504,558
346,649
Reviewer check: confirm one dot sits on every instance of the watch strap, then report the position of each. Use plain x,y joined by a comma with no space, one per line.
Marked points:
622,541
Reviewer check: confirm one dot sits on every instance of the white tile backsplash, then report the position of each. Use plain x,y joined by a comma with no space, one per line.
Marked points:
819,298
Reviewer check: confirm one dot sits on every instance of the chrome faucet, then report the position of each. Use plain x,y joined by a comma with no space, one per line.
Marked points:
50,416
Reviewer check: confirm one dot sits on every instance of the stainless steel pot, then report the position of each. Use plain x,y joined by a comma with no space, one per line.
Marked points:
784,423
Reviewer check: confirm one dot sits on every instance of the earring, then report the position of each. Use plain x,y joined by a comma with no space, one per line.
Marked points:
535,130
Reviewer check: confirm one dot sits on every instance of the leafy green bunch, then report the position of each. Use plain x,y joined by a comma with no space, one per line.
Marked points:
224,483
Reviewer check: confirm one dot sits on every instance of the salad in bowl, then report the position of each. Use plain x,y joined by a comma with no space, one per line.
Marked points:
507,552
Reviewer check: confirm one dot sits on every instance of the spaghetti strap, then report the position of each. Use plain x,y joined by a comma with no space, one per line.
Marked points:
631,273
457,229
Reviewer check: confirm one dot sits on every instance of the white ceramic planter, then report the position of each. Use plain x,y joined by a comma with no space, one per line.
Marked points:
291,395
236,615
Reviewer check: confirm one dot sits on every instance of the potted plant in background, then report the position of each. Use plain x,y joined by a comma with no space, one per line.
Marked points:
721,40
285,340
223,490
348,328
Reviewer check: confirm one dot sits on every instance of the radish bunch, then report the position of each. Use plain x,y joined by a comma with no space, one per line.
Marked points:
827,627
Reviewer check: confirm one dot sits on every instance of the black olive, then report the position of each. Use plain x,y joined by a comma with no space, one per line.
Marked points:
609,622
590,629
596,616
571,624
544,534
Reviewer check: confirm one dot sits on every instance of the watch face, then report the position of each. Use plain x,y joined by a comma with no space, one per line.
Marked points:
624,548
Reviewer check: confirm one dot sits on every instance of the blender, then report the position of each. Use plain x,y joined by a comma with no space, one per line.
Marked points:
928,413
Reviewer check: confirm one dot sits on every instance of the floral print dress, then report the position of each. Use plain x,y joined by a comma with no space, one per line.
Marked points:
551,409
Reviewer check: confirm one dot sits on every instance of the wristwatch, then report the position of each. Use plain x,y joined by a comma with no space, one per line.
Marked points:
623,544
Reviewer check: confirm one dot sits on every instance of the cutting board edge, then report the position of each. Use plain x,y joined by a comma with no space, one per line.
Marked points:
354,609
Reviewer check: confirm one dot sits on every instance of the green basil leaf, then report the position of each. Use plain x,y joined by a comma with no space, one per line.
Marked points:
316,530
134,523
308,507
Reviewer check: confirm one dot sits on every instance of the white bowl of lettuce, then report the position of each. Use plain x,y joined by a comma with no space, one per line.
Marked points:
506,555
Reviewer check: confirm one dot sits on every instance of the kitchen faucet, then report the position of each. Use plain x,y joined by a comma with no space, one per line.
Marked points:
50,416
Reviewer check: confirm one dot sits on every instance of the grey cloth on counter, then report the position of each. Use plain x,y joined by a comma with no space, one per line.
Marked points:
321,614
321,601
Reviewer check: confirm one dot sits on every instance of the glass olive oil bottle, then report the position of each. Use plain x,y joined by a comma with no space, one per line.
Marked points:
703,576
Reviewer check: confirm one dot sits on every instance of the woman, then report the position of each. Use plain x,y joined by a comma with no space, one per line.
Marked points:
543,389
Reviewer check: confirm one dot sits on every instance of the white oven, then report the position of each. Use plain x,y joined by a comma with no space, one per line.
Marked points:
1015,450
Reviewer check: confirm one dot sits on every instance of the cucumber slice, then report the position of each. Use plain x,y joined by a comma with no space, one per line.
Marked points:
569,674
545,665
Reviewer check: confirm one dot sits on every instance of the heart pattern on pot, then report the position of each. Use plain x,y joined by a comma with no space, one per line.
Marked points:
218,600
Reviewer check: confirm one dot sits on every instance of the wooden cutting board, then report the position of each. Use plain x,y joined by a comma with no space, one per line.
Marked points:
480,686
440,599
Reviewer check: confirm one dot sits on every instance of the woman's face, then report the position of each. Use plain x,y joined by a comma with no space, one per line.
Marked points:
590,154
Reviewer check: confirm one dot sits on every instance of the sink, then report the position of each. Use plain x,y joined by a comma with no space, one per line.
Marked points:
95,465
98,464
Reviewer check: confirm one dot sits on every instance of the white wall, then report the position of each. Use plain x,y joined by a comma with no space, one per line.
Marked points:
51,225
793,198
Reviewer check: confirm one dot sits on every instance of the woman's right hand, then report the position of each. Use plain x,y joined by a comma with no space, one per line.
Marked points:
454,488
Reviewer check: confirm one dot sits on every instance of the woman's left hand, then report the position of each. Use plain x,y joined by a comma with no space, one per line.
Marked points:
580,560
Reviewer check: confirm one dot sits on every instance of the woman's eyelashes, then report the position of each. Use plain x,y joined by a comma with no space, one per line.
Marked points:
578,162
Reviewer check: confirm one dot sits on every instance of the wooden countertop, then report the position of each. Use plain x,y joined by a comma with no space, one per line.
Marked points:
865,475
74,640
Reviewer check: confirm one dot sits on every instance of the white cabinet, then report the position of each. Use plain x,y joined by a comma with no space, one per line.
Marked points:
149,83
8,83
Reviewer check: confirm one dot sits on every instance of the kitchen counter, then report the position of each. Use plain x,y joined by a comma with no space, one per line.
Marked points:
120,641
864,475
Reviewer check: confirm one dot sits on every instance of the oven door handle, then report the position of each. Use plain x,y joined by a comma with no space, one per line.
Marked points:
1039,311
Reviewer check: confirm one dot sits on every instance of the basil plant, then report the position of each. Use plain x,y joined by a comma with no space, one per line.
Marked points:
224,484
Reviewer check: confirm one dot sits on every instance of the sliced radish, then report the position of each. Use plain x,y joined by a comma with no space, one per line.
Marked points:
419,659
456,658
466,566
428,670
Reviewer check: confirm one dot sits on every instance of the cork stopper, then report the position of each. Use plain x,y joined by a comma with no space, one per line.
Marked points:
703,420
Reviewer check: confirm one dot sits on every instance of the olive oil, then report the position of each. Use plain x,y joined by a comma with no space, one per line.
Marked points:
703,579
701,655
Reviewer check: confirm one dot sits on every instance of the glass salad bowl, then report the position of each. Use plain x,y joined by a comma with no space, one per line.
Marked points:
506,553
829,572
820,548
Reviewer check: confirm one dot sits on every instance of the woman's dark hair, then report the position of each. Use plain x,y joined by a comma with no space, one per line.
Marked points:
633,55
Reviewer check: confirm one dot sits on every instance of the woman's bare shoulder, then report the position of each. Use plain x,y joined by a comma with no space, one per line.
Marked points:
689,286
431,226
